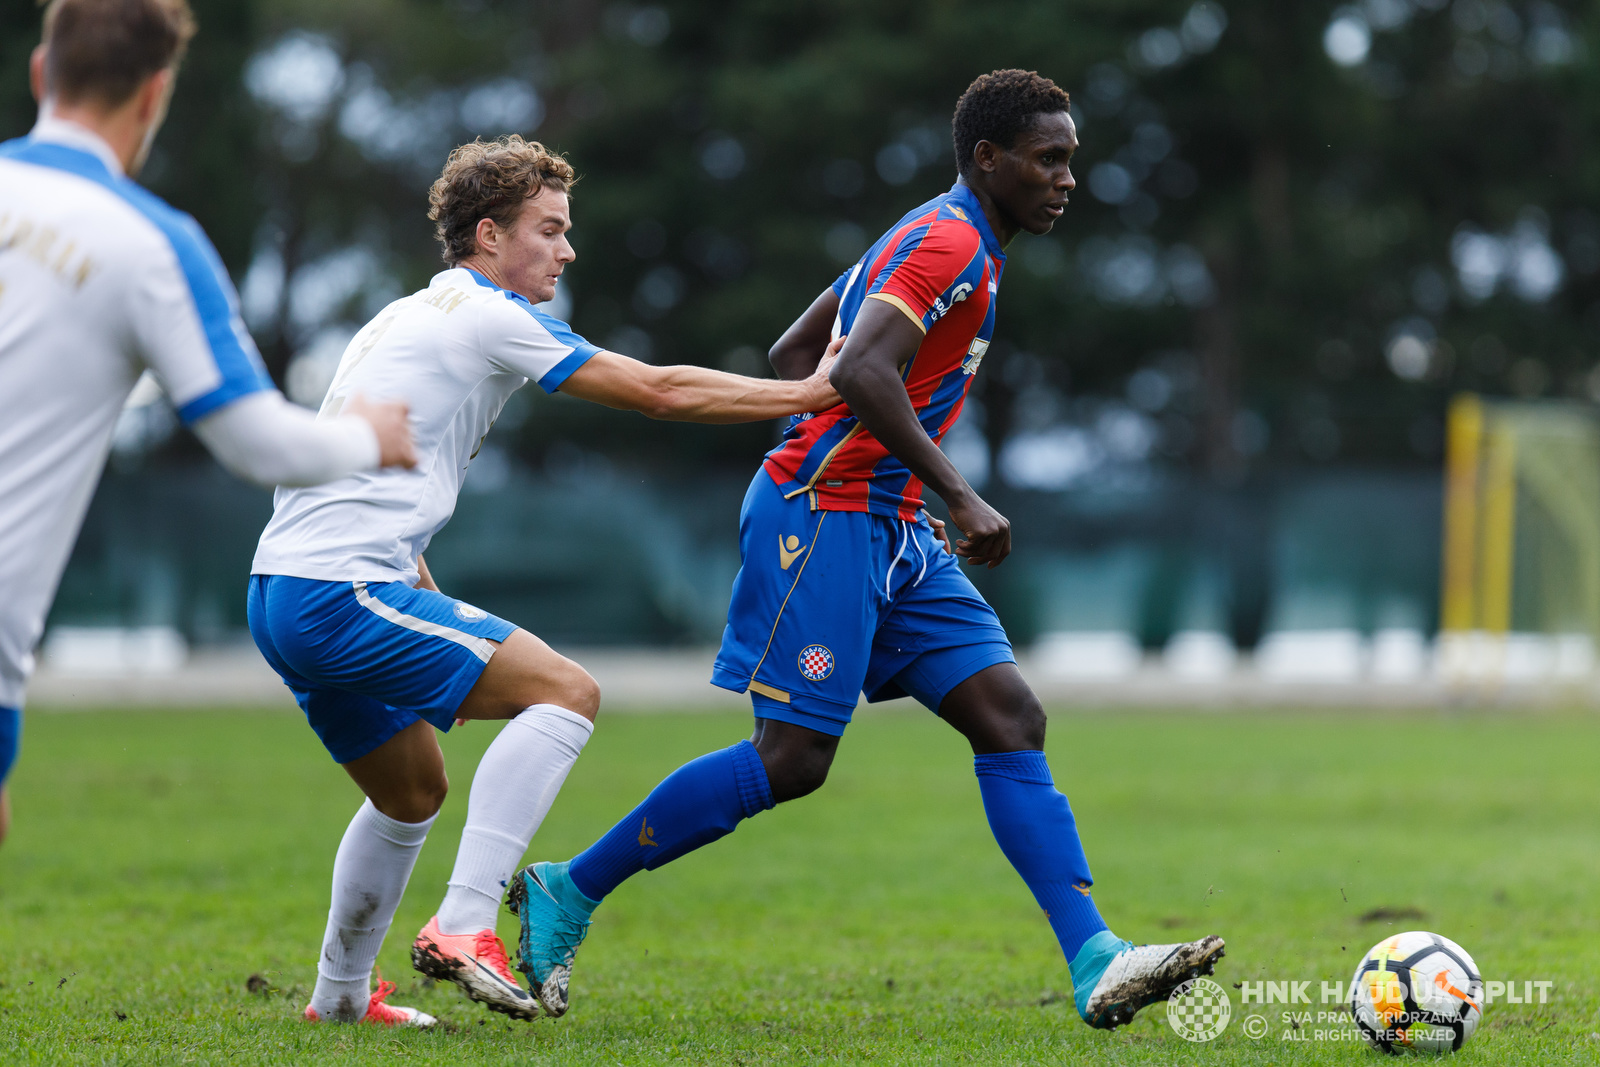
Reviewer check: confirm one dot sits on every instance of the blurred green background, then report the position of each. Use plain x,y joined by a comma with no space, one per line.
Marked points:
1217,393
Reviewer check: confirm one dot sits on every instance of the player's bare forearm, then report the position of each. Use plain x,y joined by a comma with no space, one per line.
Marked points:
695,394
867,375
800,349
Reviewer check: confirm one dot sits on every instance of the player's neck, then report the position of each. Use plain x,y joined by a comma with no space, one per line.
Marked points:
999,222
486,267
120,128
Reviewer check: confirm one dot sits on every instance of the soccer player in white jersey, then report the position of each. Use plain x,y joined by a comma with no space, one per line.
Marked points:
100,281
342,605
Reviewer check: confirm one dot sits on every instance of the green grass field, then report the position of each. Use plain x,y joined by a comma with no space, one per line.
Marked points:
160,860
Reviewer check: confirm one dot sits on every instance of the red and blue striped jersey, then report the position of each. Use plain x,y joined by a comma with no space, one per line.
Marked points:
941,266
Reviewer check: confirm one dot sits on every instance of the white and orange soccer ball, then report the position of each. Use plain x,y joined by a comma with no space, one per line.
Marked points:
1417,991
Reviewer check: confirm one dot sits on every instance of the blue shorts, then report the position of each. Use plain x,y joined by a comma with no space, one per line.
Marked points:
366,661
10,738
830,604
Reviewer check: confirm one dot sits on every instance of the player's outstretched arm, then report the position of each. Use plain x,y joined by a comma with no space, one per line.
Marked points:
696,394
867,375
800,349
264,439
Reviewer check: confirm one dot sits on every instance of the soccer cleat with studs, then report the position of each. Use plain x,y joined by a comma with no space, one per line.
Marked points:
1140,975
477,963
551,934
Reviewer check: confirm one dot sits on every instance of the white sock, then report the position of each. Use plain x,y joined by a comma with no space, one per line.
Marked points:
516,782
370,873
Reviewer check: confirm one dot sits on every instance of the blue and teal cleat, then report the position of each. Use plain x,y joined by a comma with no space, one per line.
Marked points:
555,920
1112,979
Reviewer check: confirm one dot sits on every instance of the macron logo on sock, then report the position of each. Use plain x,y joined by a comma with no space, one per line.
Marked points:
647,836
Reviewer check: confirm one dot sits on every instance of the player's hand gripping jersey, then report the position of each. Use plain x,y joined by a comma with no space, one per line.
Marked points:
455,352
941,266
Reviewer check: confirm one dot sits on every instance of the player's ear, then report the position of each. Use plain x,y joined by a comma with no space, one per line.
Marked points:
36,73
488,235
153,96
985,154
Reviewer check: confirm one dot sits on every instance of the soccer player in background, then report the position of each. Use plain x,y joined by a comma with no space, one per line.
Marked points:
343,607
100,281
847,586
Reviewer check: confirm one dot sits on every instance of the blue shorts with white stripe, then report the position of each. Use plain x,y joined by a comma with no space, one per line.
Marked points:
365,661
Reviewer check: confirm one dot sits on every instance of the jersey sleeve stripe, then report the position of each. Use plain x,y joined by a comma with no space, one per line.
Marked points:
948,256
895,301
242,372
558,374
235,357
582,350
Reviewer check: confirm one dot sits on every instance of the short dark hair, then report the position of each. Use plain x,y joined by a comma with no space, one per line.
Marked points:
490,180
102,50
998,106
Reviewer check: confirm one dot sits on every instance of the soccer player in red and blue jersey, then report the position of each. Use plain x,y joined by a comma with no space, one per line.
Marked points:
847,586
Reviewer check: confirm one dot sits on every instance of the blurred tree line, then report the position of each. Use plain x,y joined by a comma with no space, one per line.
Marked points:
1298,227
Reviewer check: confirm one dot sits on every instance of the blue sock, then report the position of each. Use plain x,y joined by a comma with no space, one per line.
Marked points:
1034,826
10,738
693,806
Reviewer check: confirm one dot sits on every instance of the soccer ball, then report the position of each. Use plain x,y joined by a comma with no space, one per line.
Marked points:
1417,991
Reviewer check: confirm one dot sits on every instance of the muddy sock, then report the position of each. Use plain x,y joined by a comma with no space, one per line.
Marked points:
370,873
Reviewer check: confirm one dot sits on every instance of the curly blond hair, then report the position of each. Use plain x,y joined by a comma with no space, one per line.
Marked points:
490,180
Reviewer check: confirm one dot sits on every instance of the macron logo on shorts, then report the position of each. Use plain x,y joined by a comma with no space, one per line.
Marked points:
788,550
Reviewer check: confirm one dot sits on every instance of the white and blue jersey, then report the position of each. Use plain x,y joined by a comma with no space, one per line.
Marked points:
99,281
333,604
455,352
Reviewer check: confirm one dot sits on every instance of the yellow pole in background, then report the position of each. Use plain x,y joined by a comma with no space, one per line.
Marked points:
1463,448
1499,528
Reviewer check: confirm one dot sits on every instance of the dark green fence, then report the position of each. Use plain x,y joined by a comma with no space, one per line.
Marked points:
622,559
